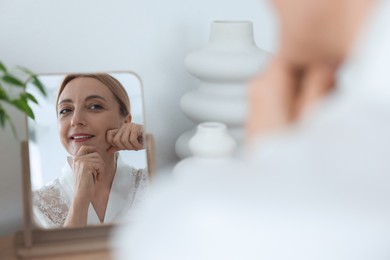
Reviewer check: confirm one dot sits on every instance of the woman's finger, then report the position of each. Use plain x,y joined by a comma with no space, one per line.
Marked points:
118,137
110,135
125,139
317,82
136,139
128,137
87,164
85,149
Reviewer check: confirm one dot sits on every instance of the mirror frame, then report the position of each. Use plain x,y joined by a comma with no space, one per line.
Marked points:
34,242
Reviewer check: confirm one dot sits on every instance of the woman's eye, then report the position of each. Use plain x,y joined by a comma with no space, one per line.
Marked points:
64,111
95,107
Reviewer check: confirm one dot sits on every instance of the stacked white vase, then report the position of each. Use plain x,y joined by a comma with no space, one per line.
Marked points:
212,148
224,67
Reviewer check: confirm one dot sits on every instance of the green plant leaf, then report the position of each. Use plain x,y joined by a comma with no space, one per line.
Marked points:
2,67
3,94
39,85
23,106
8,78
30,97
34,80
4,118
21,103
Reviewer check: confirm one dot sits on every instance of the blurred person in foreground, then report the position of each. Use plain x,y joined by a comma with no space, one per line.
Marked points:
315,182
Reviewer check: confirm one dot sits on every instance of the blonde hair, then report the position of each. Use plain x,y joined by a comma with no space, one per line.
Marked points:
110,82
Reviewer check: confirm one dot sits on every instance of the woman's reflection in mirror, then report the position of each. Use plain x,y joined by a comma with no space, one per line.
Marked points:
95,185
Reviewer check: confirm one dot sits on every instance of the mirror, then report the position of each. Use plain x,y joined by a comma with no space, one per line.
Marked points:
88,162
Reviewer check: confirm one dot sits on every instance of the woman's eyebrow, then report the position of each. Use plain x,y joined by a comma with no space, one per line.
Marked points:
94,97
68,100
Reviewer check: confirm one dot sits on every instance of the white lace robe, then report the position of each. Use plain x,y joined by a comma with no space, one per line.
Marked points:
51,202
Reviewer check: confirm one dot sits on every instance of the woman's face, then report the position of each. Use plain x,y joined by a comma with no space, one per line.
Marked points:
86,110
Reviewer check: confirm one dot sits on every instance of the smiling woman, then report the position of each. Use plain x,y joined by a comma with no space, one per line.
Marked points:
95,186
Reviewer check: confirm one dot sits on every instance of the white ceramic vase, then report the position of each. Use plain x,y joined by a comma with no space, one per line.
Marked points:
212,148
212,140
223,68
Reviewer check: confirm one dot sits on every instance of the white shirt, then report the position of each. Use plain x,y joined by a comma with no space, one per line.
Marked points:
51,203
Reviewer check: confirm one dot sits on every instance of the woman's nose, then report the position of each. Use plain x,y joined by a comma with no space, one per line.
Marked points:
78,118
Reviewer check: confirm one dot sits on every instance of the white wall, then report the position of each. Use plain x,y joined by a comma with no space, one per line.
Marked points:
149,37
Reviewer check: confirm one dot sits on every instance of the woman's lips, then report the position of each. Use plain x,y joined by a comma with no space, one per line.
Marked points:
81,137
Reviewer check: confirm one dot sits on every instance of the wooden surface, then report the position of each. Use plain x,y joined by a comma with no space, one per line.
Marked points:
7,248
8,251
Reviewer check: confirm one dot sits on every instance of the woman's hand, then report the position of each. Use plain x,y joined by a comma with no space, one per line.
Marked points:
283,93
88,167
129,137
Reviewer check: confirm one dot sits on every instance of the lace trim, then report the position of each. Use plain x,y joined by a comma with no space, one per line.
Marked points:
51,205
141,183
